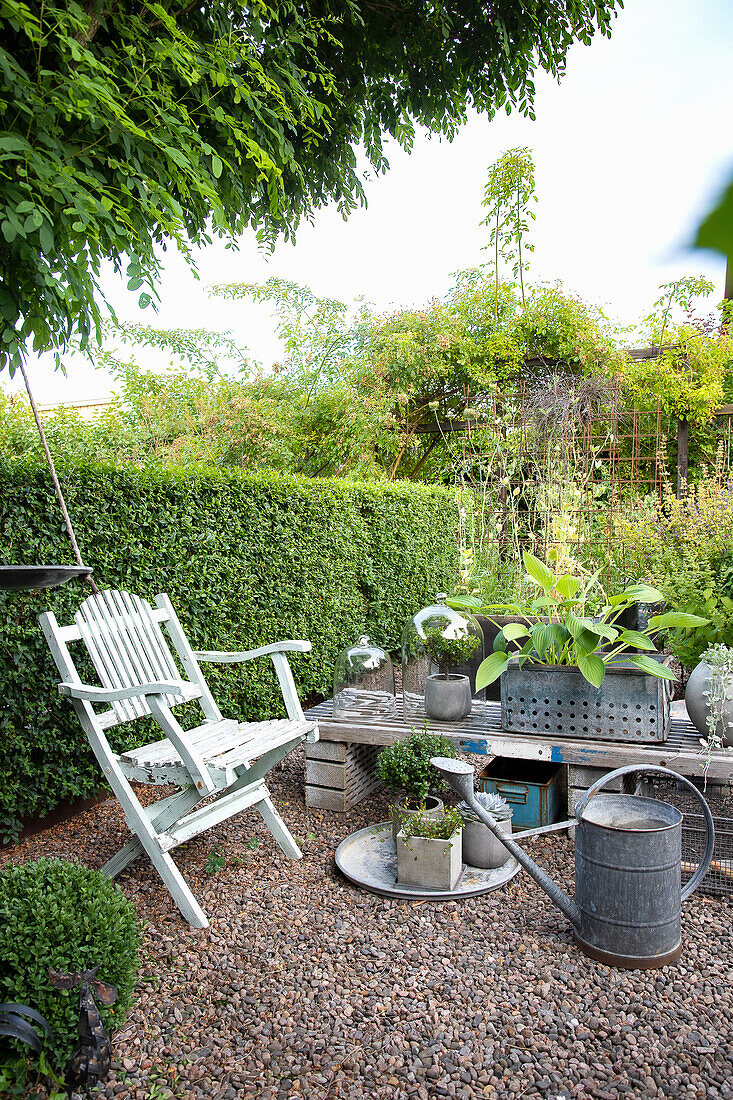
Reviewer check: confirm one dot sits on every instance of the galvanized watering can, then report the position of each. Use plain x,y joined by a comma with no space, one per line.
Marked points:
628,865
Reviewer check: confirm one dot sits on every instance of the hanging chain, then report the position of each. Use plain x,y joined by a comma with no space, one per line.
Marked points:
52,468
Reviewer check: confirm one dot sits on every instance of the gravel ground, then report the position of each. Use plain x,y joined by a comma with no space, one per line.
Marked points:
304,986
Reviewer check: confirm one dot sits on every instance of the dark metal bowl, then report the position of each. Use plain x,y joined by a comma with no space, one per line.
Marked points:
19,578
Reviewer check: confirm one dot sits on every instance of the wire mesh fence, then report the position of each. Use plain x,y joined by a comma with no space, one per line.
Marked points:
551,466
719,879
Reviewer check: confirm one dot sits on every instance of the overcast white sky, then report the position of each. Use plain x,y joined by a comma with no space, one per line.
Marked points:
628,149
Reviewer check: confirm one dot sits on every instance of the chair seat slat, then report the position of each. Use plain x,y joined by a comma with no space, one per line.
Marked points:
205,739
225,746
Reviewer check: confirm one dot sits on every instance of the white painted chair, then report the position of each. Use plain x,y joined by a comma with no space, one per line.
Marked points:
139,675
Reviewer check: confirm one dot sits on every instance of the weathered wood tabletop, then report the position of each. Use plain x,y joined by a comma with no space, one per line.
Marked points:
345,759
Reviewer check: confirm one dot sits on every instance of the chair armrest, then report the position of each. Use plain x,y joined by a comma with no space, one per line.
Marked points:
115,695
222,658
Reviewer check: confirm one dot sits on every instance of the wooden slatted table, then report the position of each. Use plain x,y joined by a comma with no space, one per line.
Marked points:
340,767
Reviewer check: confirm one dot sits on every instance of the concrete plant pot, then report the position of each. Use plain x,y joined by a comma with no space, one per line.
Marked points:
481,848
404,808
428,863
698,706
447,698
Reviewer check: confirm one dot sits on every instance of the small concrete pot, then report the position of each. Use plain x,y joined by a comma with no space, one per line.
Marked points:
698,707
404,808
429,863
447,698
481,848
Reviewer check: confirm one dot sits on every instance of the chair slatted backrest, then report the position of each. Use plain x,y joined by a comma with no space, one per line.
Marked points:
128,647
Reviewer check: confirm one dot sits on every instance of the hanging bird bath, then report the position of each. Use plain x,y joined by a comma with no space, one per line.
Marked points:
27,578
24,578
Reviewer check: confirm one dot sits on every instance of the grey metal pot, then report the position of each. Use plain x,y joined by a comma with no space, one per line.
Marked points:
698,706
481,848
447,698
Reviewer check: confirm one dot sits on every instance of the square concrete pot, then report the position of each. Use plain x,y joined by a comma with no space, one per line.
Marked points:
431,864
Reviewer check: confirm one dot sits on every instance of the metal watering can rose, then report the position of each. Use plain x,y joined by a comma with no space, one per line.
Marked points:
628,868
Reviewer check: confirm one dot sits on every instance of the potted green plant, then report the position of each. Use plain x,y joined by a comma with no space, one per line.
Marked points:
405,766
709,697
429,852
552,671
448,694
480,847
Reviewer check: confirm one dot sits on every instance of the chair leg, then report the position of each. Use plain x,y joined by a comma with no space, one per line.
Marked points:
177,886
125,856
146,834
278,828
161,814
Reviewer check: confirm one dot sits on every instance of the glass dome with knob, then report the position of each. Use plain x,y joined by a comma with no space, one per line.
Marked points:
363,683
441,649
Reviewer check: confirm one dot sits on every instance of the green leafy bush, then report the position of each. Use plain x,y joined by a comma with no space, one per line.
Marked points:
246,560
683,547
63,915
405,766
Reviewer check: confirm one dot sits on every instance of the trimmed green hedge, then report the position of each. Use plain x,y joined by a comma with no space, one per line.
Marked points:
246,559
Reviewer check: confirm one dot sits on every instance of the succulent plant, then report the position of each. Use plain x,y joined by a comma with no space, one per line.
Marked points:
494,804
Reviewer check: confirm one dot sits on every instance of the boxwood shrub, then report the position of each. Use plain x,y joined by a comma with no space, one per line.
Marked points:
246,559
58,914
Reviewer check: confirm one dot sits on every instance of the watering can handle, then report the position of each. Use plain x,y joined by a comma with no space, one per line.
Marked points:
707,855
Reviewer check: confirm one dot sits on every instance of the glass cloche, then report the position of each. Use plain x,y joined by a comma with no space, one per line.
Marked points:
441,650
363,683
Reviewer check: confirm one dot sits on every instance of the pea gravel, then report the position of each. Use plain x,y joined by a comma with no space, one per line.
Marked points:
304,986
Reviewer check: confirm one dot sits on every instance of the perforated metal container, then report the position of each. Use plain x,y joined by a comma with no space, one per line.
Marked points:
554,700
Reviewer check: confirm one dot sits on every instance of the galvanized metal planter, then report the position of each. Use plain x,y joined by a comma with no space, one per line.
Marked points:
558,701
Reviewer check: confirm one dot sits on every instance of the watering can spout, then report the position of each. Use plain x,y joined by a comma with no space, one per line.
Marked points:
460,775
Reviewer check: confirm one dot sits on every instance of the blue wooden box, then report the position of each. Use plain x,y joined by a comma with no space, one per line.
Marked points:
535,790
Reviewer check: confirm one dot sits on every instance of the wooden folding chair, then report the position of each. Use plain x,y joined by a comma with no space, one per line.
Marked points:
139,675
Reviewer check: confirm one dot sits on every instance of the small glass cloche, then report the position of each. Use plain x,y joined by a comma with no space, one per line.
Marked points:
363,683
441,649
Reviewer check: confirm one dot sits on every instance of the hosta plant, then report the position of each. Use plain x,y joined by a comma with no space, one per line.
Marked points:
567,637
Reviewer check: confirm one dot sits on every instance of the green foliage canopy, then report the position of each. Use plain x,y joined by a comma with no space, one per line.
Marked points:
364,396
123,127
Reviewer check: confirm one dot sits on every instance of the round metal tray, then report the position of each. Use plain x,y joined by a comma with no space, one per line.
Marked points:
368,858
24,578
